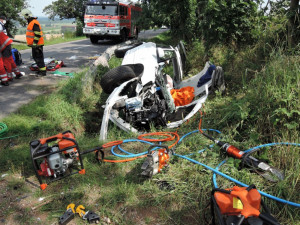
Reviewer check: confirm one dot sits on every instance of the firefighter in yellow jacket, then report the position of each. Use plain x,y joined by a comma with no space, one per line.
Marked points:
35,40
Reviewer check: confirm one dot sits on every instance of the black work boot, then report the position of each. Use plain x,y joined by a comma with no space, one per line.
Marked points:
43,73
4,83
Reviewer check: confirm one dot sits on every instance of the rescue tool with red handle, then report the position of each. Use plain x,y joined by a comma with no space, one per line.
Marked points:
270,173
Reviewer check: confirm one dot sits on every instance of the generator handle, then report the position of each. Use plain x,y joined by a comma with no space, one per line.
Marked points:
50,139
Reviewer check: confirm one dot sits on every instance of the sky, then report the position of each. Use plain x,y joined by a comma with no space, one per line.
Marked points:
37,6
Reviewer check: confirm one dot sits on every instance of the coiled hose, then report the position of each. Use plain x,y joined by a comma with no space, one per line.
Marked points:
3,130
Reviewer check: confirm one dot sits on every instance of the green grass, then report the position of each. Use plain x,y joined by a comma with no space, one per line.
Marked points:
51,41
260,106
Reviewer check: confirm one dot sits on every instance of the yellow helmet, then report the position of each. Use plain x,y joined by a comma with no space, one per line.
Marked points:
26,13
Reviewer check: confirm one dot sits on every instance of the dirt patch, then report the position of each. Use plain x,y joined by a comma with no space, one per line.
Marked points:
18,205
22,37
143,216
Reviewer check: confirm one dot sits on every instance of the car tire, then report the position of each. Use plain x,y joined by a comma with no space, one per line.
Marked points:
120,52
94,39
115,77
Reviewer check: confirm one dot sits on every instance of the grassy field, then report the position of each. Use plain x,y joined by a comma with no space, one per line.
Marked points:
261,106
51,41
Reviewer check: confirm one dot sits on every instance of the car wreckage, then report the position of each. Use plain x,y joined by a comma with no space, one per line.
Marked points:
140,89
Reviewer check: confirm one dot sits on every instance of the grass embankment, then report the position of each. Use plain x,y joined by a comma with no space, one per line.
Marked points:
51,41
261,105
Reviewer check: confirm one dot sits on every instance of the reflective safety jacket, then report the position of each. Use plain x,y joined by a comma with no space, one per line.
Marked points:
34,33
4,41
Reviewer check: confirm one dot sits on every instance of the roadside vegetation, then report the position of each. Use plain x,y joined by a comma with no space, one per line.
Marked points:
261,105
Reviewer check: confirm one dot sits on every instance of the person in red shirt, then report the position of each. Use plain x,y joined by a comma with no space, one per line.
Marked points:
8,61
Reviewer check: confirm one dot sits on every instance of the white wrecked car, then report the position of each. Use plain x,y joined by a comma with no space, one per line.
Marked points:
140,88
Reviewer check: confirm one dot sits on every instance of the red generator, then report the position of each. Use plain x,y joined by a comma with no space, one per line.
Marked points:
55,158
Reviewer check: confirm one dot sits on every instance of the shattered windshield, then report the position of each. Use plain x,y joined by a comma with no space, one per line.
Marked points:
110,10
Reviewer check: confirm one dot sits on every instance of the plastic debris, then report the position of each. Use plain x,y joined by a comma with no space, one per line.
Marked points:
73,57
59,73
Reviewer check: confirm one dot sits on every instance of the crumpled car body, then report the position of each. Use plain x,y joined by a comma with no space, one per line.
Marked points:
145,100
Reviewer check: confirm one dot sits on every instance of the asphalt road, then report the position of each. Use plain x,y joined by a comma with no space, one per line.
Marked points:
75,55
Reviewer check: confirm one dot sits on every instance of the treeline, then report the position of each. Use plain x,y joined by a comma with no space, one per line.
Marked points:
229,22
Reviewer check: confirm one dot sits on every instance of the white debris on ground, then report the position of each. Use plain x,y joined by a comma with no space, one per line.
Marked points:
74,57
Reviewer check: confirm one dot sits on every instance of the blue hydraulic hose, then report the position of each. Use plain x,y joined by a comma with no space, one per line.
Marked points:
271,144
215,175
130,155
216,170
240,183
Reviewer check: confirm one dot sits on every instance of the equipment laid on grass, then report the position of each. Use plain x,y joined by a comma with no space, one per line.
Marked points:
154,164
240,205
156,160
270,173
58,160
50,63
69,214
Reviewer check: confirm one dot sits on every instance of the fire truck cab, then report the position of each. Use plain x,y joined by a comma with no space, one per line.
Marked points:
109,19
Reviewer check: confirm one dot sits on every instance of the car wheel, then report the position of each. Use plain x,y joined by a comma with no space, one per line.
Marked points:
120,52
115,78
94,39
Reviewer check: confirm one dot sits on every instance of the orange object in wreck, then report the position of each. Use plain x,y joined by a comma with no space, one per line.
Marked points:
183,96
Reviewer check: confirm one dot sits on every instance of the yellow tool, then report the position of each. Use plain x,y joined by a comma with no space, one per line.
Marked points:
72,207
80,210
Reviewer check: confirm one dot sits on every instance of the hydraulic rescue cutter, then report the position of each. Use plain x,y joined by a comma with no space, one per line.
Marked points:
156,160
240,205
268,172
57,157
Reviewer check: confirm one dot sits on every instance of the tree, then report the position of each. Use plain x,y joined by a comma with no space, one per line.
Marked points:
288,11
229,22
179,15
294,23
215,21
11,10
66,9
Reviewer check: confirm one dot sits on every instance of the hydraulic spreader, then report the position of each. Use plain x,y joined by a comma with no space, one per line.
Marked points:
156,160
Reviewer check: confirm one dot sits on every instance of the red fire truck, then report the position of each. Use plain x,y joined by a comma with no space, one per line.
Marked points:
109,19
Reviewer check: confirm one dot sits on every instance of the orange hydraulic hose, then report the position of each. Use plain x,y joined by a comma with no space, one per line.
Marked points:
123,160
200,122
170,136
111,144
